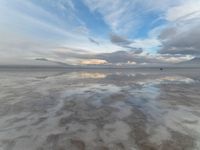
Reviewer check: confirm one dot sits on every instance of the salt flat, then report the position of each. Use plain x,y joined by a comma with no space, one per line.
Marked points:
117,109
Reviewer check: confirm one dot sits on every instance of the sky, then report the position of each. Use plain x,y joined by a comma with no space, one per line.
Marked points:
99,31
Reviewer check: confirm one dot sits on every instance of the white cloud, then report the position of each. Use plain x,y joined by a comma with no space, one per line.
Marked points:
115,13
125,16
174,58
34,31
190,9
93,62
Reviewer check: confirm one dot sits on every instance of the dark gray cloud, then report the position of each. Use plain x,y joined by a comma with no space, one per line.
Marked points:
124,43
181,41
118,56
128,56
137,50
167,33
93,41
114,57
119,40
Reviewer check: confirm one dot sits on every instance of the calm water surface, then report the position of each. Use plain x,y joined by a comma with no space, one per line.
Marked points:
140,109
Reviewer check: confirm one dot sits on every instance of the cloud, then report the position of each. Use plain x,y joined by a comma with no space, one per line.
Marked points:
70,53
167,33
93,41
182,41
115,14
119,40
181,35
32,23
186,11
168,58
81,56
32,29
85,57
60,31
125,43
127,16
128,56
75,56
149,44
82,30
93,62
116,57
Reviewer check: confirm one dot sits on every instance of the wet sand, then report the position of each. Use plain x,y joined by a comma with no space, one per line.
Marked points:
139,109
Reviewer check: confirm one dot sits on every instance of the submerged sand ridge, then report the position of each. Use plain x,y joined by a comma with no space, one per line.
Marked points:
100,109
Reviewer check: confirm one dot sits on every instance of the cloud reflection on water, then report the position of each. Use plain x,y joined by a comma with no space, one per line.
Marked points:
99,109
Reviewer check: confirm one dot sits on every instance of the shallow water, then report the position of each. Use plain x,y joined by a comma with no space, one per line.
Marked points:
139,109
